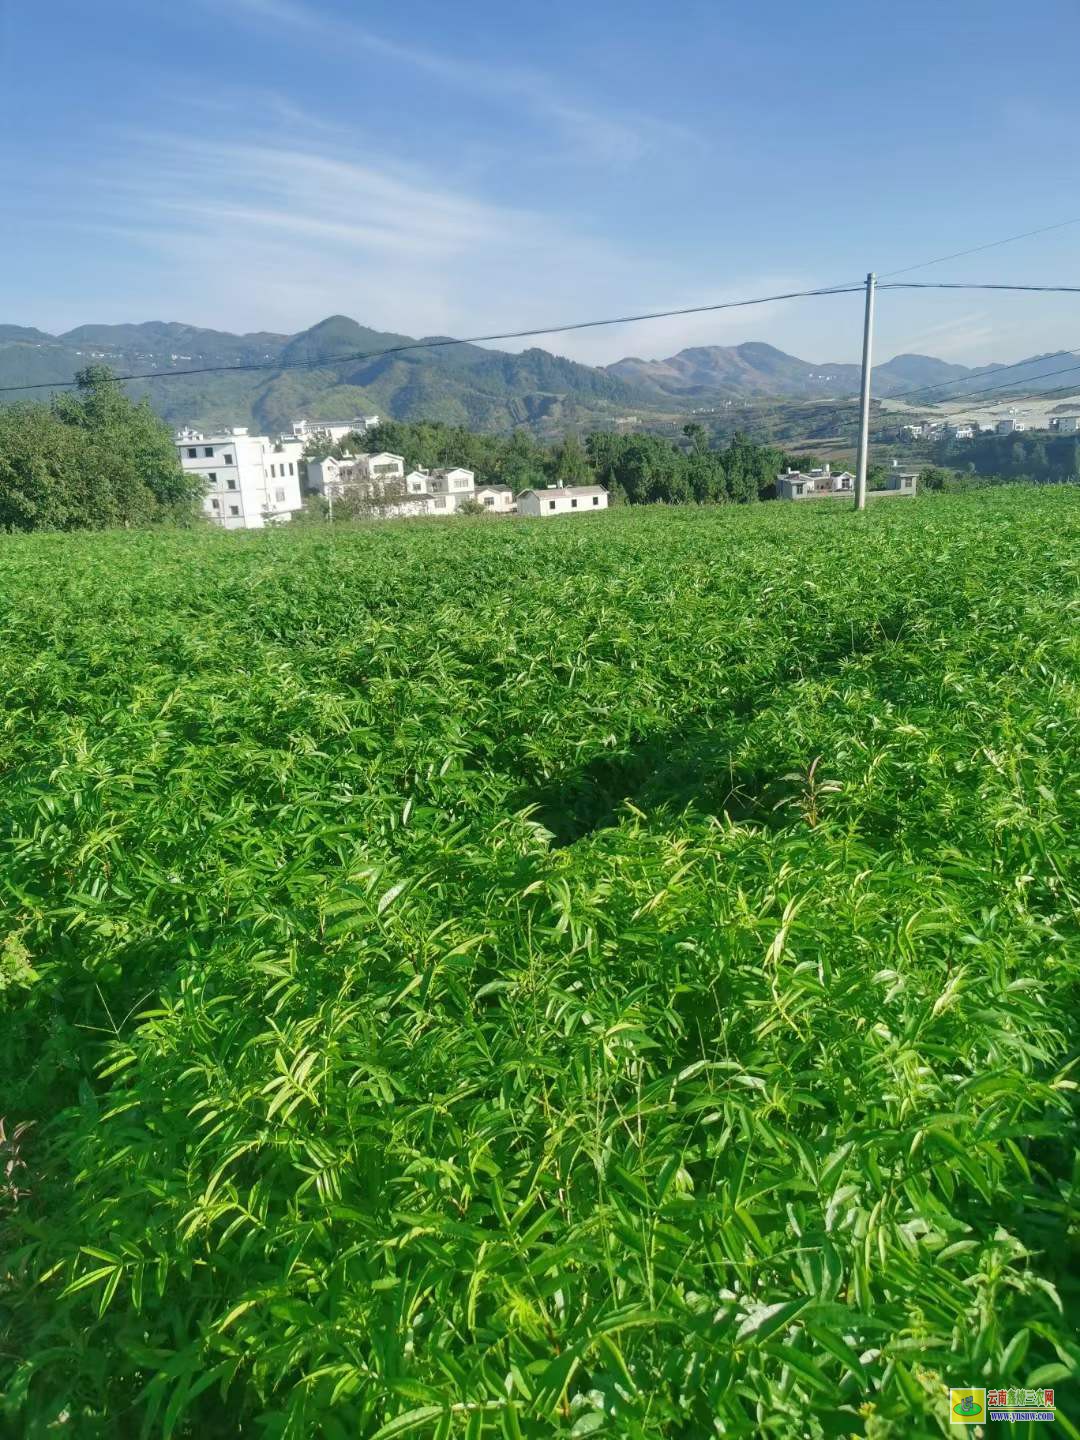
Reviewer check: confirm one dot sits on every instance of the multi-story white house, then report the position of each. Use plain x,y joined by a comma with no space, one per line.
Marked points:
562,500
333,430
382,470
249,480
444,489
1009,426
454,484
963,431
325,477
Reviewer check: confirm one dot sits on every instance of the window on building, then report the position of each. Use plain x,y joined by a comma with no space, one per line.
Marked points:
192,452
273,471
234,509
292,468
230,483
798,489
228,460
215,505
596,499
489,500
573,503
279,493
208,450
212,477
440,502
551,504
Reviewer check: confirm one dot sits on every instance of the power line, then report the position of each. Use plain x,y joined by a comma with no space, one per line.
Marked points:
965,285
975,249
444,340
999,370
1012,384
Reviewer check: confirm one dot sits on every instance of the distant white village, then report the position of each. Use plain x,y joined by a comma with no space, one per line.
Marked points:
253,480
968,429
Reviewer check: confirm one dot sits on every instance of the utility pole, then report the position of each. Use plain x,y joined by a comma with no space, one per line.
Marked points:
864,400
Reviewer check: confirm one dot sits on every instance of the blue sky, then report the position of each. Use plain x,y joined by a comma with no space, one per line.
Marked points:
441,168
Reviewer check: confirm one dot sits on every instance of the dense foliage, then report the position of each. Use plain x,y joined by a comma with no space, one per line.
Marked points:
607,977
90,459
1040,457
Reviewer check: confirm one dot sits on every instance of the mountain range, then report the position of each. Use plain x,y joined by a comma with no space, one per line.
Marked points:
330,371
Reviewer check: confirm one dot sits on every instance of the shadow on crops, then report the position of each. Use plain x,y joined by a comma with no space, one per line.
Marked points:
668,772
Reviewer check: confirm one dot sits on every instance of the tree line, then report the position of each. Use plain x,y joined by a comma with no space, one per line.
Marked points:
636,469
1053,459
90,458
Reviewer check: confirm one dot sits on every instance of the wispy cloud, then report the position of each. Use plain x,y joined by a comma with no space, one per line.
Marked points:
602,136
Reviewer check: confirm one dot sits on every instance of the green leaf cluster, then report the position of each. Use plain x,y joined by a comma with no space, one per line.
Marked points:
90,459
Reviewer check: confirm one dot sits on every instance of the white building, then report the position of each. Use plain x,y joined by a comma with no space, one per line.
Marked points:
1010,427
445,489
497,498
1068,424
249,480
324,477
814,484
914,431
455,482
899,482
962,432
562,500
333,430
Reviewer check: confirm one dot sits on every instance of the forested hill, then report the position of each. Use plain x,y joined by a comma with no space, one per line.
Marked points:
339,368
458,384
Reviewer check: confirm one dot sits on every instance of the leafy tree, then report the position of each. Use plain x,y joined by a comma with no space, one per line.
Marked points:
570,463
696,434
92,458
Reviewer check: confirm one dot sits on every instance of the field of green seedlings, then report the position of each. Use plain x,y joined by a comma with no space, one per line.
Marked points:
611,977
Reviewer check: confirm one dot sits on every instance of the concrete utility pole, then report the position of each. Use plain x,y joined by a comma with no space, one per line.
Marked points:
864,401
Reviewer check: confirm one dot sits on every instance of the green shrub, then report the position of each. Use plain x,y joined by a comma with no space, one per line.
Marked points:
530,980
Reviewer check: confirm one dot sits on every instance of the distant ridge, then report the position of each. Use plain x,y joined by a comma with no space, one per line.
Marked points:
459,384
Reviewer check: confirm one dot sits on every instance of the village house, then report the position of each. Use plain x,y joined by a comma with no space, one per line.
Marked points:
814,484
250,480
562,500
329,476
823,484
1008,426
332,430
497,498
897,482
